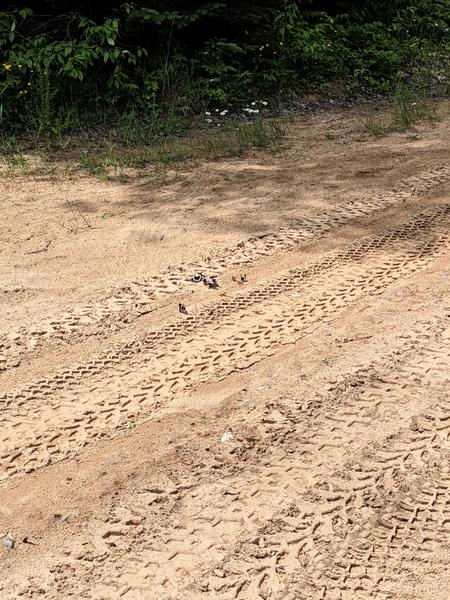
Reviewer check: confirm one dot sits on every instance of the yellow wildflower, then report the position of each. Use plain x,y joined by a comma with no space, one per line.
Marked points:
7,67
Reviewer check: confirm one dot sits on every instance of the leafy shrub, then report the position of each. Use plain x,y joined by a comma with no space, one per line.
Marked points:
134,67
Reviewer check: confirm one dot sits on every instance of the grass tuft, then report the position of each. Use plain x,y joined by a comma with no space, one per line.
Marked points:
408,107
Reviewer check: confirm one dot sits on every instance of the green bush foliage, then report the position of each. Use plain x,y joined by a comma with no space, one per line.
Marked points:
148,65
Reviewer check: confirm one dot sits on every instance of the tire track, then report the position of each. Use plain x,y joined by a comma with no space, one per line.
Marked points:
139,297
404,488
53,418
303,520
291,282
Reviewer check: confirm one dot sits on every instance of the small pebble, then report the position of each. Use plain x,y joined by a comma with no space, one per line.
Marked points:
9,542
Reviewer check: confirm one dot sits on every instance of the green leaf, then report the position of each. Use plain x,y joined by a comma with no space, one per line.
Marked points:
110,41
25,12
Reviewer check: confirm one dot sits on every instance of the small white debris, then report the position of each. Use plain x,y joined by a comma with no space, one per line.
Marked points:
9,542
227,437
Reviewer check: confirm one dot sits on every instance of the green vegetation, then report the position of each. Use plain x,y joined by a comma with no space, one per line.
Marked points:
409,104
230,141
136,72
105,159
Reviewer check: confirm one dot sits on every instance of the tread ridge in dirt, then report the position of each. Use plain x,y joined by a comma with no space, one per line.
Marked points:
137,298
330,540
211,313
65,412
354,570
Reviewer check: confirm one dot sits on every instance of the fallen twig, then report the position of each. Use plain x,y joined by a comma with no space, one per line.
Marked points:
43,248
76,211
355,339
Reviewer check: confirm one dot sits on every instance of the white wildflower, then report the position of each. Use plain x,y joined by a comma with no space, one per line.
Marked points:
208,114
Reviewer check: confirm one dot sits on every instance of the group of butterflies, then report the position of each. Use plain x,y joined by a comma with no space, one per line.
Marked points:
210,282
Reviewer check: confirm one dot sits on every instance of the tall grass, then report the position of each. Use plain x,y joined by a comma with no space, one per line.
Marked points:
408,106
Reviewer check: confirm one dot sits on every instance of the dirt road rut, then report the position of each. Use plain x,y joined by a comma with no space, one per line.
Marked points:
288,438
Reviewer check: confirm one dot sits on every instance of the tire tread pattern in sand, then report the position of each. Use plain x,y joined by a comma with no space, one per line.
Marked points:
127,303
51,419
304,521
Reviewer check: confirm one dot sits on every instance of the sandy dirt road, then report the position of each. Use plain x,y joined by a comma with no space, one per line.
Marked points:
288,437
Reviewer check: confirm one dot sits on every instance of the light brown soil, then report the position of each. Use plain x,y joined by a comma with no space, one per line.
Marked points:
289,437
